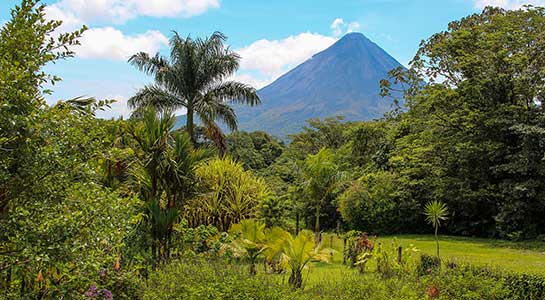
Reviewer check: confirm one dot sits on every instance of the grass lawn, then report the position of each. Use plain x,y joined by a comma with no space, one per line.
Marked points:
523,257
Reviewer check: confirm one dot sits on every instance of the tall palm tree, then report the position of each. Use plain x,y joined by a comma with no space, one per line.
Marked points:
195,77
436,211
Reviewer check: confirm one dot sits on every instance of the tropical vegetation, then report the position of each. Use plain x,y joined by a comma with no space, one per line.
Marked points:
140,209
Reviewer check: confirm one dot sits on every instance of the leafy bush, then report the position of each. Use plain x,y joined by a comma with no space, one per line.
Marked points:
525,286
370,203
428,264
228,194
201,239
199,279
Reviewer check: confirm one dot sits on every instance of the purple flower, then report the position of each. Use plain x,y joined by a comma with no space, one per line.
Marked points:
106,294
92,291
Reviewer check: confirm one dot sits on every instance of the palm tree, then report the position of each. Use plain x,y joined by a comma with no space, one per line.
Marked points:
274,256
251,238
321,177
299,251
436,211
194,77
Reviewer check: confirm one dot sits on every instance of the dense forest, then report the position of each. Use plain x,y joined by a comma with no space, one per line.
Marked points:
87,202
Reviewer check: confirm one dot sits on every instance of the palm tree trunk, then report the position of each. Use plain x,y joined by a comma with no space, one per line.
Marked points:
296,279
297,223
190,125
437,241
317,226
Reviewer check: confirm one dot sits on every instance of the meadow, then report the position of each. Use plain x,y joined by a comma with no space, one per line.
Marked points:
519,257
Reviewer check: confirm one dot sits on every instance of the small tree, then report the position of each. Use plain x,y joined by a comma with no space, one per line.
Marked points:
251,238
320,172
436,211
299,251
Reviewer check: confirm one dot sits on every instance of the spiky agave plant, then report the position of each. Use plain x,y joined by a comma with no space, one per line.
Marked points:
436,212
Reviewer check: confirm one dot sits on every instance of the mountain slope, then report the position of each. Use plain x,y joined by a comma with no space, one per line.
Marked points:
341,80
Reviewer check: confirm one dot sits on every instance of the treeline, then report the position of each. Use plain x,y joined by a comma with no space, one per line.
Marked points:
471,133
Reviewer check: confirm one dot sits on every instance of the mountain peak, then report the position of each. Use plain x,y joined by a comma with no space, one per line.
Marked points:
354,35
343,79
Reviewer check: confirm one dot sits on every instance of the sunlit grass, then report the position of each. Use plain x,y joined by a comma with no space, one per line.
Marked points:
521,257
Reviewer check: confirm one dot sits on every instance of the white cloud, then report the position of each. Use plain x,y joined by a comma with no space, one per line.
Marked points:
271,58
120,11
251,80
69,21
340,27
110,43
353,26
508,4
336,26
265,60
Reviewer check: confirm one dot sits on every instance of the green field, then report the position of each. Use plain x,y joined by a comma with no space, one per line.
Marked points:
522,257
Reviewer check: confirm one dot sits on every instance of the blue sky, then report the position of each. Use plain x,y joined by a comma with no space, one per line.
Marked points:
271,36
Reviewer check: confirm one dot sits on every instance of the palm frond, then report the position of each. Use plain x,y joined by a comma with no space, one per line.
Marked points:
236,92
151,65
211,110
436,211
157,97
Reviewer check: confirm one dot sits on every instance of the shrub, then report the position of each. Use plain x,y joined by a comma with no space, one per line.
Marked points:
525,286
370,203
428,264
199,279
227,194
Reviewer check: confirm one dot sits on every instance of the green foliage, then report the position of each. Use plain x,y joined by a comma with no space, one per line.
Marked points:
249,235
299,251
203,239
274,211
255,150
428,264
228,194
58,224
321,175
371,203
163,175
474,135
435,211
198,279
327,133
370,144
524,286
